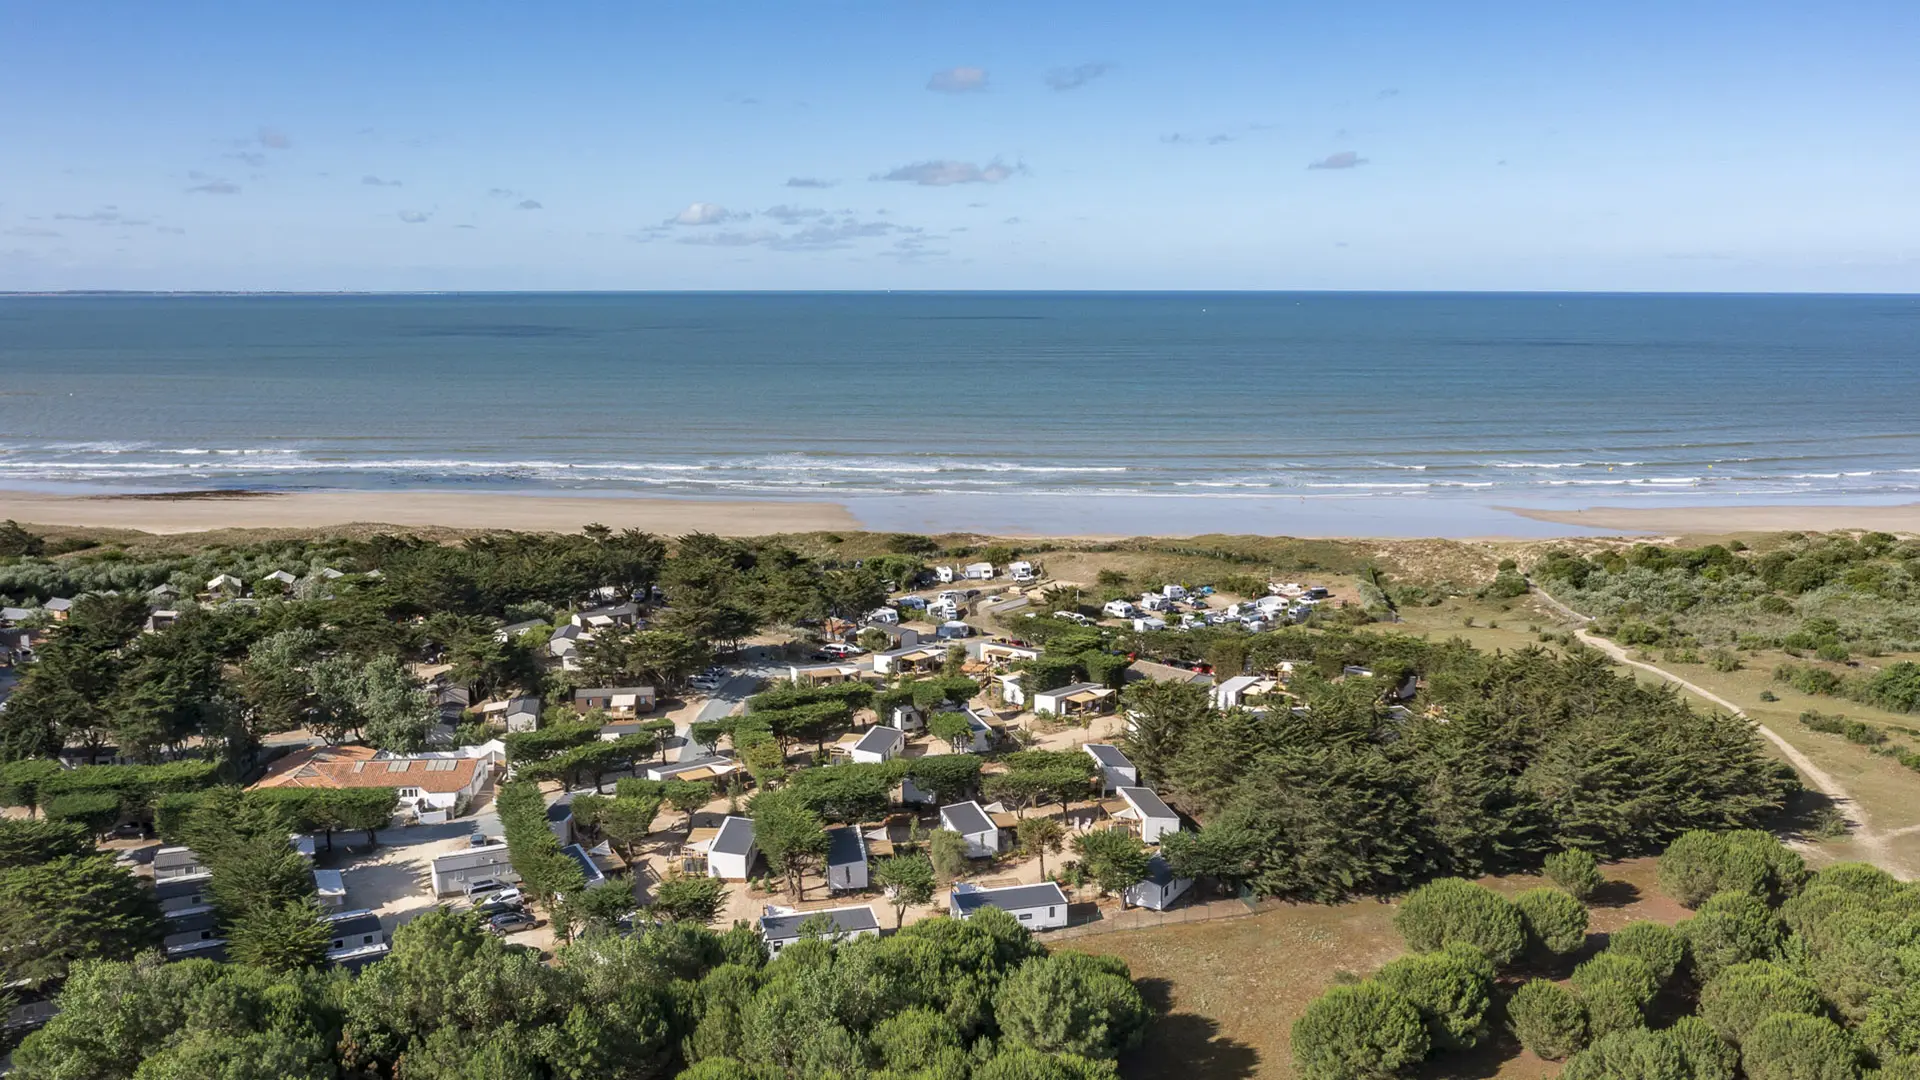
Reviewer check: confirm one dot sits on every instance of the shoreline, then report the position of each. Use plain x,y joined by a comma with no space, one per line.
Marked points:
1012,516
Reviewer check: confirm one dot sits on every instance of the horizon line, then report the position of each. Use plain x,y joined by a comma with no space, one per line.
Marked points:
56,293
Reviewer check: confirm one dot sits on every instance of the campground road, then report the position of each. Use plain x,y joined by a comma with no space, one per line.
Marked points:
1819,779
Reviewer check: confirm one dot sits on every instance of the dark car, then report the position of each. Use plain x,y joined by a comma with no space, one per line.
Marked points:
511,922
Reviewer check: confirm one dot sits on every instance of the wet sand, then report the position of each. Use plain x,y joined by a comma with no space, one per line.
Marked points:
1714,520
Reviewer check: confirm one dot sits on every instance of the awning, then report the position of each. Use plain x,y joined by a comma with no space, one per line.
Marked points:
701,773
1116,806
1005,820
625,701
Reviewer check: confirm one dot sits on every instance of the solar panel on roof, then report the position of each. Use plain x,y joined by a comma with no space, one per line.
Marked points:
441,765
399,766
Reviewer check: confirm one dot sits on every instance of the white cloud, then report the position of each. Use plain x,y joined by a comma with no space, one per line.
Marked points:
373,181
704,213
415,217
948,173
809,182
958,80
528,204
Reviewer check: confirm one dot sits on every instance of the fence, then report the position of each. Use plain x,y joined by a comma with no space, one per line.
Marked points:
1144,919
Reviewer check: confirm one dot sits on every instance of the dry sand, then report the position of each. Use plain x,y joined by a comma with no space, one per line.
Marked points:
1709,520
307,510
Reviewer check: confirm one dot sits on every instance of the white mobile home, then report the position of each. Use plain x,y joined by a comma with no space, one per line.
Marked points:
730,854
979,571
1021,570
1159,889
1234,692
1119,609
944,575
1076,699
846,859
877,744
1038,907
780,927
975,825
452,872
885,616
1146,812
1115,770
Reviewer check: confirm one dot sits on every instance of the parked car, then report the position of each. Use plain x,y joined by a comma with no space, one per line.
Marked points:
497,907
479,840
503,896
512,922
484,885
705,682
836,650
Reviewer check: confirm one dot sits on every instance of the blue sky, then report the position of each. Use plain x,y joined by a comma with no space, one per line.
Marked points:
1672,146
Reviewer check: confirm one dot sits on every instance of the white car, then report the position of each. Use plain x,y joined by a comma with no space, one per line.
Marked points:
1073,617
841,650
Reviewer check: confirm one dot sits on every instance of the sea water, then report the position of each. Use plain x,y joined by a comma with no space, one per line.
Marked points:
923,400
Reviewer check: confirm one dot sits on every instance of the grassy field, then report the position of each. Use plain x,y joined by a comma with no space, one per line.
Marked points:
1228,991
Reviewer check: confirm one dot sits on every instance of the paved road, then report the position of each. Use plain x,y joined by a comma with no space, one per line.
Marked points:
1819,779
731,696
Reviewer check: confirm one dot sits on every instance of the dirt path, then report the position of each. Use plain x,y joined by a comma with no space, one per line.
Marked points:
1873,842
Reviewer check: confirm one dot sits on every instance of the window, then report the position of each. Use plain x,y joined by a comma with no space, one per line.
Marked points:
339,943
1050,913
409,792
1026,917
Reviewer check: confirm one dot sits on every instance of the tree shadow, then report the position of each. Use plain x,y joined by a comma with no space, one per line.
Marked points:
1614,894
1483,1062
1185,1045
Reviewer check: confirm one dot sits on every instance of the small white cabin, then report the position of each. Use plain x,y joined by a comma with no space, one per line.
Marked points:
979,571
975,825
944,575
1115,770
1159,889
731,852
1119,609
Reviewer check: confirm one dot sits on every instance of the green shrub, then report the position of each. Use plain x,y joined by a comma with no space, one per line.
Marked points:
1656,945
1547,1019
1362,1032
1724,660
1731,928
1699,864
1615,988
1555,921
1892,1024
1788,1046
1706,1054
1452,990
1737,999
1576,871
1633,1054
1455,910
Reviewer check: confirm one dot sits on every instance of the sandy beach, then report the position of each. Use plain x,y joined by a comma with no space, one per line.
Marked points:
1012,515
308,510
1699,520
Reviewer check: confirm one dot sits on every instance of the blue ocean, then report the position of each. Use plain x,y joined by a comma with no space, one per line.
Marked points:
1534,399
